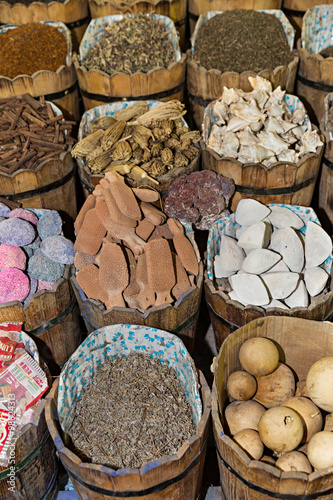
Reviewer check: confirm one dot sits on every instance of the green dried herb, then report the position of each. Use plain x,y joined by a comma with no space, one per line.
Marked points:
242,40
133,44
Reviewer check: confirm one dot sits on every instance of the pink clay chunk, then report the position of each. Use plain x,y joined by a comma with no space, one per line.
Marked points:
11,256
14,285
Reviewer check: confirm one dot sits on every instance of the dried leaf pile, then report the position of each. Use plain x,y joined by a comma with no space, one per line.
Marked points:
134,411
242,40
30,133
134,44
157,143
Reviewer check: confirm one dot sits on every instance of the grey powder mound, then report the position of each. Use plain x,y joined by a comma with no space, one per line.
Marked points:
58,248
42,268
16,232
49,224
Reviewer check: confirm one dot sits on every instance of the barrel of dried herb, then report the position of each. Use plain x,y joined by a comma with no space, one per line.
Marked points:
242,40
31,47
134,44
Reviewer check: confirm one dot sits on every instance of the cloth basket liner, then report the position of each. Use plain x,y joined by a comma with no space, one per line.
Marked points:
288,29
228,226
56,24
112,341
317,28
97,26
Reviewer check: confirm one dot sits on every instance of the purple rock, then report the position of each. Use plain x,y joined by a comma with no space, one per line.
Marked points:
4,210
27,215
58,248
49,224
42,268
16,232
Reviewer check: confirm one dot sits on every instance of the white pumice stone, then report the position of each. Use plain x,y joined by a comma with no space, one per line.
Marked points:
315,280
255,236
230,258
233,296
299,298
280,285
276,303
281,217
240,231
249,212
280,267
250,289
260,260
318,245
287,242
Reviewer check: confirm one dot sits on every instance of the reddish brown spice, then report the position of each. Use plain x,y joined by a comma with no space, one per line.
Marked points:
31,47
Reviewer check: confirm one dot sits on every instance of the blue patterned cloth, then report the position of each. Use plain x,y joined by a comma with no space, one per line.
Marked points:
113,341
317,28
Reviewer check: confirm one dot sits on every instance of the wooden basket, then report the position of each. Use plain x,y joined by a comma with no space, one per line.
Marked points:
90,180
198,7
175,9
51,185
59,87
204,85
303,343
162,84
315,74
73,13
51,318
176,477
325,196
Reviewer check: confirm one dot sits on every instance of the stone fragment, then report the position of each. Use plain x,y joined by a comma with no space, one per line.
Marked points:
299,298
280,267
230,258
276,303
4,210
250,289
280,285
255,236
42,268
260,260
318,245
16,232
281,217
27,215
315,280
233,296
287,243
59,249
50,224
250,211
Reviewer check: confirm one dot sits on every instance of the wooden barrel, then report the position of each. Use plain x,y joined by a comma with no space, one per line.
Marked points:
314,81
303,343
198,7
325,192
295,10
175,9
177,476
281,182
161,84
51,185
33,455
51,318
59,87
73,13
180,319
204,86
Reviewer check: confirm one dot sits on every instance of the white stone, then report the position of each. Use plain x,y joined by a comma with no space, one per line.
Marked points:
250,289
233,296
315,280
281,217
280,267
318,245
230,258
260,260
276,303
240,231
299,298
255,236
249,212
287,242
280,285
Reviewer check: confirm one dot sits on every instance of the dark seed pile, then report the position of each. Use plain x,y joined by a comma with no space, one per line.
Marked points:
242,40
133,44
28,2
134,411
327,52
